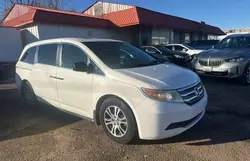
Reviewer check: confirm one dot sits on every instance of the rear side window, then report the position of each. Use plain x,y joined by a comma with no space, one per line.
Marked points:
151,50
29,56
178,48
72,54
47,54
170,47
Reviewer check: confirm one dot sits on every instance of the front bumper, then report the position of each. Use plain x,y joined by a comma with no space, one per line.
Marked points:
227,70
159,120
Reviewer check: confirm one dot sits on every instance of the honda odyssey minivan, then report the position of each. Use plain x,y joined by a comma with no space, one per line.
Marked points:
114,84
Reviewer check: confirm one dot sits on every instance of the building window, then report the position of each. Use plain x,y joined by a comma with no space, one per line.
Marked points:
155,40
177,37
187,37
160,36
195,37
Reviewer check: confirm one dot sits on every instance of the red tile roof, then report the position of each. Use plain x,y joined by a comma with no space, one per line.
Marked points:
148,17
138,15
18,15
21,15
123,18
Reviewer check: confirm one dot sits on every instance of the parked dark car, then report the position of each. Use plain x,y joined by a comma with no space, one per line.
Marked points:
230,58
204,44
162,52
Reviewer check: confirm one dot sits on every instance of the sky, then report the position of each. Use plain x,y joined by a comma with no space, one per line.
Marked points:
226,14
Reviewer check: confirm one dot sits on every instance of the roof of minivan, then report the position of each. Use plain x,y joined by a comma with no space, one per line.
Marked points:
79,39
72,39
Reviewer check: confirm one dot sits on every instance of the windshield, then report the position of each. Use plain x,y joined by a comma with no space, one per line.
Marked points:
189,47
163,49
120,55
234,42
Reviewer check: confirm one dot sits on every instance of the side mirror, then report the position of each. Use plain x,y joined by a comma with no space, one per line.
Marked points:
80,67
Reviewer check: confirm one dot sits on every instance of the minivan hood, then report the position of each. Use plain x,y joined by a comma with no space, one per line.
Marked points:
162,76
225,53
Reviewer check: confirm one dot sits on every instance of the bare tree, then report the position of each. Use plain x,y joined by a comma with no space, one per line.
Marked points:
5,5
57,4
26,2
53,4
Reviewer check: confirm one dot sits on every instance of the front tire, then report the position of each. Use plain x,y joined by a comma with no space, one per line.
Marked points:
118,120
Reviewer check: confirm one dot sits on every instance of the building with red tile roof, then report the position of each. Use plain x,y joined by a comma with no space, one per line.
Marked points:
134,24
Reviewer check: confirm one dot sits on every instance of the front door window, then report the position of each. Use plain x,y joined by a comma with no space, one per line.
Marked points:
72,54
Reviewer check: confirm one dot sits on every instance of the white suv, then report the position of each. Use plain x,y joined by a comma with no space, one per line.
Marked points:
114,84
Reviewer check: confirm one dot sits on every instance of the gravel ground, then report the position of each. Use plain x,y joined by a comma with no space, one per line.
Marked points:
43,133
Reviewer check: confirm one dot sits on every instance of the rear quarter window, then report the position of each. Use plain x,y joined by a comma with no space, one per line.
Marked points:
29,56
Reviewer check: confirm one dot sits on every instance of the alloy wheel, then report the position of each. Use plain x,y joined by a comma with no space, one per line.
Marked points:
115,121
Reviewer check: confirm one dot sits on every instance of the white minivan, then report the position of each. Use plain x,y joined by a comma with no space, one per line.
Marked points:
114,84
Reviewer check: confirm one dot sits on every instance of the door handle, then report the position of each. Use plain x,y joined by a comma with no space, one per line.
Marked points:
54,77
59,78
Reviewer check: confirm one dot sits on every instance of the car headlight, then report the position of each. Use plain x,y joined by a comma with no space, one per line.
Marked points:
238,59
168,96
179,56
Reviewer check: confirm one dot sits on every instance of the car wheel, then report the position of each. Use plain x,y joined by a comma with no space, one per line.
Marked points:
245,79
28,94
118,120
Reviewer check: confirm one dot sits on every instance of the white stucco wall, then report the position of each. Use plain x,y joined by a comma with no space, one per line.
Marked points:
49,31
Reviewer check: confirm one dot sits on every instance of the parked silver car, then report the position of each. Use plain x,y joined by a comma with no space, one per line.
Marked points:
230,58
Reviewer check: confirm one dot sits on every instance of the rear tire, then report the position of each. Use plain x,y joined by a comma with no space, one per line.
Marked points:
245,78
118,120
28,94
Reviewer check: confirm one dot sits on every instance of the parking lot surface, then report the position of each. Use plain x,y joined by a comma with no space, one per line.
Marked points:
44,133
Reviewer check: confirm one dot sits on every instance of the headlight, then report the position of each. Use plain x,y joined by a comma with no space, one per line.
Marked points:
179,56
235,59
169,96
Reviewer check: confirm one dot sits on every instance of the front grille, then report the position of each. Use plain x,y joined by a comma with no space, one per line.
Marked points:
210,62
192,94
220,74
